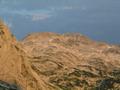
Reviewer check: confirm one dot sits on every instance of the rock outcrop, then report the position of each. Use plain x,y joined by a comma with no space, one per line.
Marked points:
50,61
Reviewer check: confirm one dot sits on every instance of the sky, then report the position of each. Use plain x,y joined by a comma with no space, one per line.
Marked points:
97,19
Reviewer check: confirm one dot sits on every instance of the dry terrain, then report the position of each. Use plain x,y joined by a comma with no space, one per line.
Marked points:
50,61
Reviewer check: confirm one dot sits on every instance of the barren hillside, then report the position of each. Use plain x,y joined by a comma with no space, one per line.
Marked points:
50,61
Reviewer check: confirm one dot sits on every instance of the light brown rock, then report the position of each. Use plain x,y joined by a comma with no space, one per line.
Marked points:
50,61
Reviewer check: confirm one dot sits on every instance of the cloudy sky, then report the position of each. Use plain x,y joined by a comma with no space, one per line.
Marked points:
98,19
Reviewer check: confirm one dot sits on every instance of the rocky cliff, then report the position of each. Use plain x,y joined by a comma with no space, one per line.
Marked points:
50,61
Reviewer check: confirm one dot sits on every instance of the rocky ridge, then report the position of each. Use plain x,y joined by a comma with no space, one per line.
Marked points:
50,61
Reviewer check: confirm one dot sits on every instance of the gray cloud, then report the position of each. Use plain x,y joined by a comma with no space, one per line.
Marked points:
38,17
40,14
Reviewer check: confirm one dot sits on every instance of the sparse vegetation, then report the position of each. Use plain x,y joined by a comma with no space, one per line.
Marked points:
80,73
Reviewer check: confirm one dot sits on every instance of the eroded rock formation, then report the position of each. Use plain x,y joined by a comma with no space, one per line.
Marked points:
50,61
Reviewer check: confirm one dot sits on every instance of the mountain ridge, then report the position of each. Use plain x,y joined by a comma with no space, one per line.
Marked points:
50,61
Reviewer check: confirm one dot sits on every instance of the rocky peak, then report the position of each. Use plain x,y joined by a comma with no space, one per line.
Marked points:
50,61
5,35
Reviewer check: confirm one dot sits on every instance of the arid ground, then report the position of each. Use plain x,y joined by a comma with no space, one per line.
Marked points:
51,61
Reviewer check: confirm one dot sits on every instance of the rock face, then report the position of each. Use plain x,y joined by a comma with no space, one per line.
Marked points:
8,54
50,61
10,59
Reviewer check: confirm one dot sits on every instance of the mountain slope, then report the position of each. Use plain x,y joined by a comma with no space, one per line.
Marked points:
73,62
50,61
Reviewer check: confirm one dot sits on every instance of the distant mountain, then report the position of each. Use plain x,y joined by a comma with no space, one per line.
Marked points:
51,61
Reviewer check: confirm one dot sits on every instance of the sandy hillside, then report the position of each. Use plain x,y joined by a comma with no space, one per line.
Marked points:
50,61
